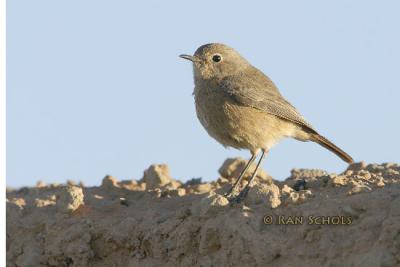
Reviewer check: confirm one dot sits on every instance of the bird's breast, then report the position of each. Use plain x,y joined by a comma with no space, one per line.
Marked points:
235,125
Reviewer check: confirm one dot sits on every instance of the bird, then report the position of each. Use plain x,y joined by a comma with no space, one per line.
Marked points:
240,107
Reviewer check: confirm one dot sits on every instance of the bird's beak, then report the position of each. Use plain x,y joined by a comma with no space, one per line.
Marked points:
188,57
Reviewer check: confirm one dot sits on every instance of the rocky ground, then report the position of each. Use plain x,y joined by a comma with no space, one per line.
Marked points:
311,219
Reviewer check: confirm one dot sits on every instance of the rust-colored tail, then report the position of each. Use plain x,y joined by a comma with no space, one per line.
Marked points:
332,147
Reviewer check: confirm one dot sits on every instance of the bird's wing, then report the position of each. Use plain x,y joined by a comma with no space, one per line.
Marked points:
252,88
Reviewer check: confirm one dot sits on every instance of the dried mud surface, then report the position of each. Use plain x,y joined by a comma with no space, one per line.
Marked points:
346,219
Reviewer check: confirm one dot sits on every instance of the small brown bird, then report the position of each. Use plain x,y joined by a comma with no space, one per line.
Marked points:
240,107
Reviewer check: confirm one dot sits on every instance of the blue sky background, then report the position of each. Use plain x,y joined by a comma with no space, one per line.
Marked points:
96,87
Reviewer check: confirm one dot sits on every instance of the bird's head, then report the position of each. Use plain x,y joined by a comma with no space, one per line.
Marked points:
216,61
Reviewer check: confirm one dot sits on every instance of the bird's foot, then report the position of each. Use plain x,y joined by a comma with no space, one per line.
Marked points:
230,193
240,197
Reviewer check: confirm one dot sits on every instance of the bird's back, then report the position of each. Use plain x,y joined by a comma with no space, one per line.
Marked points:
253,88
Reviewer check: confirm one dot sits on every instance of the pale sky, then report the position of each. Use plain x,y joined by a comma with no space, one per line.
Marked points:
97,87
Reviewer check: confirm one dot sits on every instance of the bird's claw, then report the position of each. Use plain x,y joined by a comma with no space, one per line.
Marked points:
230,193
240,197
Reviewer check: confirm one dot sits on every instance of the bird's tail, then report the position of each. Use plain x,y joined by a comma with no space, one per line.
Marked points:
332,147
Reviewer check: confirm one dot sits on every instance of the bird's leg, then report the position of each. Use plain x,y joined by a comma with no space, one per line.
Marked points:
242,195
251,160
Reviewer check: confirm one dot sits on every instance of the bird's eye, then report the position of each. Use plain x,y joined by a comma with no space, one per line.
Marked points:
216,58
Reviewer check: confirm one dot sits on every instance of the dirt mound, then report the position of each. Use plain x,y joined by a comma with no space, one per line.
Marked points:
311,219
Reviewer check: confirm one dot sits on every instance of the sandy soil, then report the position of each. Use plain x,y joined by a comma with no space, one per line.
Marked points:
346,219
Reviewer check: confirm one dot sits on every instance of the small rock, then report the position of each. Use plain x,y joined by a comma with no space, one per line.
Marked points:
157,176
232,167
19,202
69,199
202,188
287,189
266,194
71,182
181,191
172,185
210,205
40,184
358,187
380,182
51,201
129,185
357,166
109,182
339,180
157,192
306,173
173,192
298,197
363,174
